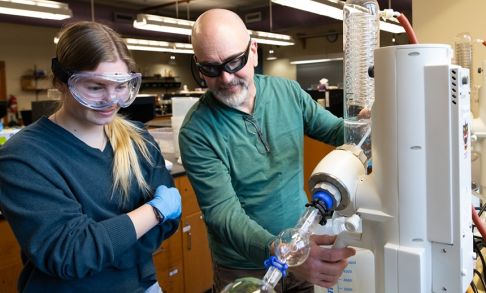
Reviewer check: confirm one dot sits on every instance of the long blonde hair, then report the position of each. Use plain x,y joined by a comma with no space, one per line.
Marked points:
81,47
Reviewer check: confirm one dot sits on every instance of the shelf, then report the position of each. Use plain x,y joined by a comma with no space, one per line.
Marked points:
33,83
159,83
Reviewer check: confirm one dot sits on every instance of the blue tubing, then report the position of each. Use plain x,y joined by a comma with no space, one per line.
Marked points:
325,197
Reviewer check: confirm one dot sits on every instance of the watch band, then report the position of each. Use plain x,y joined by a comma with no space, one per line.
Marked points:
158,214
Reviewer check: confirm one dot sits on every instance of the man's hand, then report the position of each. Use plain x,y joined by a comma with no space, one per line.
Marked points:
324,266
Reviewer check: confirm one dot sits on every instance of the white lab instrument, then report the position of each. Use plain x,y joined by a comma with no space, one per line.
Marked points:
415,206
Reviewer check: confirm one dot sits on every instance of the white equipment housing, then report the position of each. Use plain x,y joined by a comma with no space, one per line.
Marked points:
415,206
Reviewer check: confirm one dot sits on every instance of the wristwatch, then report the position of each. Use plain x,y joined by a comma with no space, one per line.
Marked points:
158,214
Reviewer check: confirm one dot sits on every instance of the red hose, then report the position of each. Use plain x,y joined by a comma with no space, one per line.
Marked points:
479,224
412,38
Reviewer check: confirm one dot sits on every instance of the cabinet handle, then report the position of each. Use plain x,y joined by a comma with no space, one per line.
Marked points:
189,242
173,272
187,229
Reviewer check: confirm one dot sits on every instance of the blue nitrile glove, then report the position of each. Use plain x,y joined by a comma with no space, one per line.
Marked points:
168,202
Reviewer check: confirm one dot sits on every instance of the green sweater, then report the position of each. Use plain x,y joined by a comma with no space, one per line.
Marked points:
247,170
56,193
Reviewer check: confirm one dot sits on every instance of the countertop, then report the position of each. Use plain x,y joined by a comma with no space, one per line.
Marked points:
177,169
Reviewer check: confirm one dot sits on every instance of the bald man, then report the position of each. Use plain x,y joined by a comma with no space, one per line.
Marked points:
242,148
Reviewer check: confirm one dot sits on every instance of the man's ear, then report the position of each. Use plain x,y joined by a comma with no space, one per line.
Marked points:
254,49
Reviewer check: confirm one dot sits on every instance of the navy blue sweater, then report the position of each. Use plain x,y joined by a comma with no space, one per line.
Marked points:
56,193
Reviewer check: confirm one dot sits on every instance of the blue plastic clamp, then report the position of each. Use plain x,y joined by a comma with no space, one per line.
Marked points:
274,262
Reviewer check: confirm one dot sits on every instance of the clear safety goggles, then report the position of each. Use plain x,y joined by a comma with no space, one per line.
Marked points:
100,91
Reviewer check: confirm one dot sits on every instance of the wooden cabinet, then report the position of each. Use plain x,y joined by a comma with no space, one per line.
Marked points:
183,263
314,151
198,272
10,263
169,264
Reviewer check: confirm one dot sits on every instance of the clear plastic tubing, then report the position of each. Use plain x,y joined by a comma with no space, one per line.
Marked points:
361,38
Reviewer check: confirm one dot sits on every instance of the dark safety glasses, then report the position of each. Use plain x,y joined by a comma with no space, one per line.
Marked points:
231,65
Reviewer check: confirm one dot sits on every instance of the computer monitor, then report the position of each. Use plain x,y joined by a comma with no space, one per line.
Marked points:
44,108
142,109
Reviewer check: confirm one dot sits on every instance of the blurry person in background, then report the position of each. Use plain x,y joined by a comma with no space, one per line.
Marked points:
242,148
85,191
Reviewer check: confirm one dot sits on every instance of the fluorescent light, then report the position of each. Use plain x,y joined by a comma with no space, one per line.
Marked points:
158,46
319,60
184,27
333,9
163,24
36,8
271,38
154,46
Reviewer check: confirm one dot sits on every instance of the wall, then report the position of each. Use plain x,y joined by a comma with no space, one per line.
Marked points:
439,21
24,46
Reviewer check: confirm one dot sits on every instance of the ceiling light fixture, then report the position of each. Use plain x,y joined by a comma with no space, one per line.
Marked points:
333,9
184,27
163,24
36,8
318,60
158,46
271,38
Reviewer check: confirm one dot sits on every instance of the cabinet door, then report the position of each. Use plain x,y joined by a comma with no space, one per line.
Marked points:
198,272
169,264
171,279
188,195
314,152
10,263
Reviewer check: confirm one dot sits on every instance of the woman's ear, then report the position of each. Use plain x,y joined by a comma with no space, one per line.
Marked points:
61,87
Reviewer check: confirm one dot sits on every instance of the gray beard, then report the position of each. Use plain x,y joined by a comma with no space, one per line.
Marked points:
233,100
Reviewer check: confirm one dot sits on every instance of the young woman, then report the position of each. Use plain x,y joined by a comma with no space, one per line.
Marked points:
86,192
